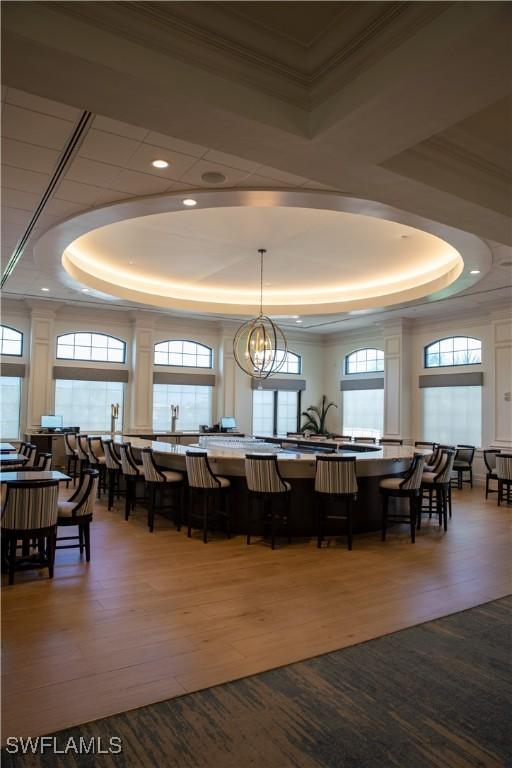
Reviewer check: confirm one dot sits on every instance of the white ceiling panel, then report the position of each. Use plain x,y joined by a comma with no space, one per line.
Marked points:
26,181
38,104
15,198
93,173
62,208
107,148
255,180
176,145
135,183
86,194
14,215
35,128
119,129
240,163
193,176
142,158
19,154
289,178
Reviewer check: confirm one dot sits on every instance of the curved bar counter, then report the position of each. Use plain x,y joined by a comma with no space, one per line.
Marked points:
297,463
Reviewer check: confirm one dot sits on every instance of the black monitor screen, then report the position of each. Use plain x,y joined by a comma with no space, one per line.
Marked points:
51,422
227,422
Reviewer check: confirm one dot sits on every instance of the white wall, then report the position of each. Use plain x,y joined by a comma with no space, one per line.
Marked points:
322,358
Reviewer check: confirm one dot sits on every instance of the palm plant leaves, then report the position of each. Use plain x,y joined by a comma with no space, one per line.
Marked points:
315,416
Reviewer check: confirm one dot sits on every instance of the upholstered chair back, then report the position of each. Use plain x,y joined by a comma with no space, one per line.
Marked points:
30,506
82,447
444,471
70,444
128,464
490,459
94,449
111,460
262,474
465,453
151,471
85,495
44,462
336,474
199,472
31,454
413,478
504,466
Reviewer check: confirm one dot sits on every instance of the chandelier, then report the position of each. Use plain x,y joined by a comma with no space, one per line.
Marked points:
260,346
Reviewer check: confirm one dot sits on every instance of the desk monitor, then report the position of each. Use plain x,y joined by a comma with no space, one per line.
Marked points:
51,422
227,422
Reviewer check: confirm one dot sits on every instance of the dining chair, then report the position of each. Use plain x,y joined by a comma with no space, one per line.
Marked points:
212,489
408,486
268,490
78,511
335,485
158,481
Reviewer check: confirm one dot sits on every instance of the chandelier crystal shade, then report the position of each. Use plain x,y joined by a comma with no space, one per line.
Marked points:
260,347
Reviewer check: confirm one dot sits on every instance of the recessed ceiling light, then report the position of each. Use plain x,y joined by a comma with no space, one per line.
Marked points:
295,317
45,289
474,272
298,321
188,201
160,164
85,290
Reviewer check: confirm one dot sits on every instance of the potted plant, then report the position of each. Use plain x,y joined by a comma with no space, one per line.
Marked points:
315,417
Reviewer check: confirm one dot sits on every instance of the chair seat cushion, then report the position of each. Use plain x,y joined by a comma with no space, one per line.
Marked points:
492,475
224,482
461,465
99,460
65,508
391,483
428,477
171,476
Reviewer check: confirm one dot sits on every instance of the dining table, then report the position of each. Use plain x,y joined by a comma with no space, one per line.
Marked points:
22,476
13,458
7,448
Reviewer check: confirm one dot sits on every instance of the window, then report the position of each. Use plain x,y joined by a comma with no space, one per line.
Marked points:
292,363
10,396
187,354
11,341
364,361
452,415
457,350
86,404
195,404
91,346
363,412
275,412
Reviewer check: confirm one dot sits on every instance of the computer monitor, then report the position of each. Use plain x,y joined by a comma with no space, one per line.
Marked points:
51,422
228,422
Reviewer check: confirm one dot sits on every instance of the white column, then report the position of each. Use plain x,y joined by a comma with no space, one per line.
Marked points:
234,393
40,394
139,415
497,405
397,381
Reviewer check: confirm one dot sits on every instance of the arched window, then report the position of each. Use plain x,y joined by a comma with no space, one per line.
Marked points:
367,360
91,346
292,364
183,353
455,350
11,341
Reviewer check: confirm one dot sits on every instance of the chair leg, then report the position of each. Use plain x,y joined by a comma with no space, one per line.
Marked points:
249,517
486,486
111,485
151,507
68,468
471,477
450,501
348,511
385,502
500,491
419,510
320,521
128,498
205,518
191,496
412,518
81,539
87,539
50,551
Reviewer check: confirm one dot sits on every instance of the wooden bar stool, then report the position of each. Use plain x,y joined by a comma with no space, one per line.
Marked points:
439,482
407,486
71,456
159,481
113,470
203,483
335,484
463,462
266,486
490,464
82,452
132,475
97,461
77,511
504,472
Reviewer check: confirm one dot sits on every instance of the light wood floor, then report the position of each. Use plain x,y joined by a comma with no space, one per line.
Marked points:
155,616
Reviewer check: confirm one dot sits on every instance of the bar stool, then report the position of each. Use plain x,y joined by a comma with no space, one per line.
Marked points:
490,463
439,482
390,441
504,472
78,511
335,481
113,470
204,483
464,463
407,486
131,474
97,461
30,451
369,440
82,452
266,485
161,480
71,456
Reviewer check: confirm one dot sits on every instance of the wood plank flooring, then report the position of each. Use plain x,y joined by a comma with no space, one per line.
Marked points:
154,616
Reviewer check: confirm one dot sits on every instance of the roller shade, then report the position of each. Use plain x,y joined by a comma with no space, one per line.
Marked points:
89,374
452,380
349,385
285,385
13,369
195,379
